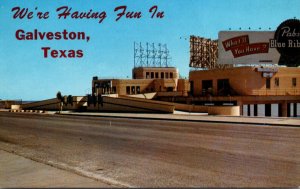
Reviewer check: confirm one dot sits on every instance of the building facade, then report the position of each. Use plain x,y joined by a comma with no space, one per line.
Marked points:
163,80
245,81
259,91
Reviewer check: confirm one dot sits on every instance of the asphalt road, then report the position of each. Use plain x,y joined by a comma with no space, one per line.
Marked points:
157,153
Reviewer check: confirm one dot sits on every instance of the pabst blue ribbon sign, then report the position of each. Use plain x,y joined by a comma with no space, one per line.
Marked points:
287,42
261,47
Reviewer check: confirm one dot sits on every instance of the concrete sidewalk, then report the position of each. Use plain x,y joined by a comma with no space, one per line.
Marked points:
198,117
19,172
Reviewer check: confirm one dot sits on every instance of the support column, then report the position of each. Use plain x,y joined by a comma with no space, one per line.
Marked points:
288,110
249,111
240,104
268,110
255,109
279,110
295,109
283,109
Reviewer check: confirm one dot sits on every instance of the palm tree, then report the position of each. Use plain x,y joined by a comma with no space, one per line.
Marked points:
60,98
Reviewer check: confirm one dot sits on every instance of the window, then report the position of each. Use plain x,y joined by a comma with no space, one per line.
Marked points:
114,89
132,90
138,89
294,82
152,75
162,75
170,89
276,81
171,74
127,90
223,87
268,83
167,75
156,74
147,75
192,87
207,86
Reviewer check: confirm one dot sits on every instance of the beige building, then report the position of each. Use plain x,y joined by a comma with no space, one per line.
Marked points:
163,80
244,81
276,89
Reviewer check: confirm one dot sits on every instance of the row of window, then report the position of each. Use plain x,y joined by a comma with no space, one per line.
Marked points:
223,87
133,90
276,82
137,90
106,90
156,75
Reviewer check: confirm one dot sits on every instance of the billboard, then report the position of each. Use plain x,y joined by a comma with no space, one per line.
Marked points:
247,47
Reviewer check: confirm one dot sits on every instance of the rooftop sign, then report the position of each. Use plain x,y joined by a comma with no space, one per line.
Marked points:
261,47
287,42
246,47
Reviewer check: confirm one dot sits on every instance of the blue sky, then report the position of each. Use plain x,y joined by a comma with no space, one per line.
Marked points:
26,74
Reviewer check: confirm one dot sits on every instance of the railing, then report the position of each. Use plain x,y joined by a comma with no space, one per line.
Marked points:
278,92
172,93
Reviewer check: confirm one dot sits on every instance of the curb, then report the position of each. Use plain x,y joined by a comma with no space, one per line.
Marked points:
169,119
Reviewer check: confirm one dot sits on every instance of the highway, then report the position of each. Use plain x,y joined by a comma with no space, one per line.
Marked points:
158,153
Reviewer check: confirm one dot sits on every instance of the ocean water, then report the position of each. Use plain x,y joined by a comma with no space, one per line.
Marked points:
274,110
